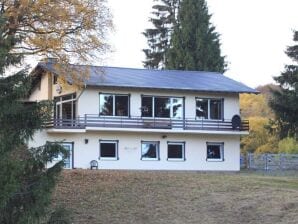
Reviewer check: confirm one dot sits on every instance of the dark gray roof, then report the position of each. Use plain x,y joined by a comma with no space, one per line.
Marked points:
158,79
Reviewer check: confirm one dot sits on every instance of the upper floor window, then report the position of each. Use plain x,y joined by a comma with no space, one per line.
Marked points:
55,79
162,107
65,107
209,108
113,105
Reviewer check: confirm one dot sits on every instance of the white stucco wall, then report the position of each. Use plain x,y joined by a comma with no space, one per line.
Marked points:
88,102
88,99
130,142
130,150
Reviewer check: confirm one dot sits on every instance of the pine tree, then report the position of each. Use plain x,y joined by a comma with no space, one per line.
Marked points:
158,38
195,44
25,182
285,101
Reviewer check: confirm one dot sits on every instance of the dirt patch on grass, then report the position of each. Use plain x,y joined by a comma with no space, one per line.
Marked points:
135,197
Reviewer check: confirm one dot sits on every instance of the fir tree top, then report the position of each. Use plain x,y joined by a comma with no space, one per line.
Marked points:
195,44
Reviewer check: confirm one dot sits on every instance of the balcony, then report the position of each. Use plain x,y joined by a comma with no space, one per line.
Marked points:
90,121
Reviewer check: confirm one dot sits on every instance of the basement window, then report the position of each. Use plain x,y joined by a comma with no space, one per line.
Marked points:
176,151
150,150
215,151
108,150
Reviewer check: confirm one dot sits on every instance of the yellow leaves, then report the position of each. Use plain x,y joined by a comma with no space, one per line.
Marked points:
73,77
254,105
288,145
69,30
257,123
258,135
255,108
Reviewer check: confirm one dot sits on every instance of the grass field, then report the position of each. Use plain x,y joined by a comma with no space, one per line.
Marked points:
133,197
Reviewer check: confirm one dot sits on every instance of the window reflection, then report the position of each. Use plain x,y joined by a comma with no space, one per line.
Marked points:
121,105
150,150
209,108
202,108
113,105
177,108
162,107
215,151
215,109
106,104
146,106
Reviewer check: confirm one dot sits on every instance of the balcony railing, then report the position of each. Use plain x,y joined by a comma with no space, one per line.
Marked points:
90,120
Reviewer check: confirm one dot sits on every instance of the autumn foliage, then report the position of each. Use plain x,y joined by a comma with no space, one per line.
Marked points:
263,135
53,28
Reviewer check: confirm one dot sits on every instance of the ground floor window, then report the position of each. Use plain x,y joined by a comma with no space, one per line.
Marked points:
150,150
108,150
176,151
215,151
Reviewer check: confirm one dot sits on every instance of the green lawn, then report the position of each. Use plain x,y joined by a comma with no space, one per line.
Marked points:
135,197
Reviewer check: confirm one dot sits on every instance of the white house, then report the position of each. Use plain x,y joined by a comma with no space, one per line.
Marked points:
144,119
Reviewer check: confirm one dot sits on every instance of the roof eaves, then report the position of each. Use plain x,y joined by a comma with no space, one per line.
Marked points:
171,89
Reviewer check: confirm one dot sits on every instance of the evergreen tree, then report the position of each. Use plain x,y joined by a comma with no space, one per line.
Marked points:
285,101
25,183
158,38
195,44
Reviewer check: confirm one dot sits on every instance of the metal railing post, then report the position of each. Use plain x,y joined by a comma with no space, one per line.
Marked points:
202,123
266,161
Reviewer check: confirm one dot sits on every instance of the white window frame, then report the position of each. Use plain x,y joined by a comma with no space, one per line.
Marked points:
183,151
171,106
157,151
221,145
58,157
59,102
116,150
209,117
114,105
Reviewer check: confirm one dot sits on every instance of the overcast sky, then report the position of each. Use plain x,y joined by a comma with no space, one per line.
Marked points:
254,35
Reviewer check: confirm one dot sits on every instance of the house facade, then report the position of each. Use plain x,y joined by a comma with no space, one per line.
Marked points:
144,119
